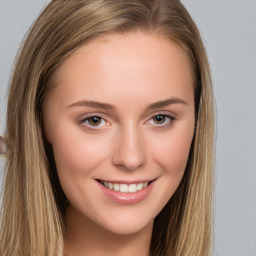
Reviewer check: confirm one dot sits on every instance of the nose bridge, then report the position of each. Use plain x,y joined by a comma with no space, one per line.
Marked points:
130,151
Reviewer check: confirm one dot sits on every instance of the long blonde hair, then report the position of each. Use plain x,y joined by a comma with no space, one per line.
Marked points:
33,202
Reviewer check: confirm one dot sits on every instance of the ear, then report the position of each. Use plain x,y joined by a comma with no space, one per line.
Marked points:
3,146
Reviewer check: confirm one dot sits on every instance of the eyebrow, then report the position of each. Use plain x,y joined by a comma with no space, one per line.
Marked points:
165,103
91,103
96,104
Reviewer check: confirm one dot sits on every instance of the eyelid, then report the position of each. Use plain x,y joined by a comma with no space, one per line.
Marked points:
164,113
172,116
168,114
83,118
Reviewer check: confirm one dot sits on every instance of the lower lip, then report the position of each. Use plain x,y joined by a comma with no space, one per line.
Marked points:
126,198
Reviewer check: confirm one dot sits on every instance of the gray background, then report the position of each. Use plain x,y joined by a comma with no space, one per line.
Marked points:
228,28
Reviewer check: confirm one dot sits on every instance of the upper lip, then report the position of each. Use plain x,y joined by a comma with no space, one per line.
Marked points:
127,181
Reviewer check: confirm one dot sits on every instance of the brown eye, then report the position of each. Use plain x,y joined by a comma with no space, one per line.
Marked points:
159,119
162,121
95,121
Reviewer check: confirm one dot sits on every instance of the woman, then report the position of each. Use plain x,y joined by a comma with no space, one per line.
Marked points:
110,131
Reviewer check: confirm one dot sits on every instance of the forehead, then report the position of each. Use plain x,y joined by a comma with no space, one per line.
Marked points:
124,64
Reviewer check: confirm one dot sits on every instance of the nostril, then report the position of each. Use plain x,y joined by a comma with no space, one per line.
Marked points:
129,152
128,161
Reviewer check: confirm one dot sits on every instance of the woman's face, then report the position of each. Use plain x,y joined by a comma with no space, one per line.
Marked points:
120,119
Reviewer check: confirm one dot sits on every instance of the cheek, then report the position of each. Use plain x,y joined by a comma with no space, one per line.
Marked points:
77,154
171,154
173,151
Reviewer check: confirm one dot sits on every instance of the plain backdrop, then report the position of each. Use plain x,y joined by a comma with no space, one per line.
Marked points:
228,29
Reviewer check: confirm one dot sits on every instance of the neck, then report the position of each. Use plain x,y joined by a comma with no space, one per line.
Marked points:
85,237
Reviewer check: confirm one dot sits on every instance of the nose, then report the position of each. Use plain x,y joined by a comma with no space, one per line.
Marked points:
129,151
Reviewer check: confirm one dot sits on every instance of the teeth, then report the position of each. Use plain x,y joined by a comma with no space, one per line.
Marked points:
145,184
132,188
124,188
116,187
140,186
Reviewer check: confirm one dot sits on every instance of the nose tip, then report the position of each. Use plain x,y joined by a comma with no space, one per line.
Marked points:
131,163
130,152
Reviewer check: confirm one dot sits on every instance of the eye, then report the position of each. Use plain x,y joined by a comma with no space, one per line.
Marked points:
95,121
161,120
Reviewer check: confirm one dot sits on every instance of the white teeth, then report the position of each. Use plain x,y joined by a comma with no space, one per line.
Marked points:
140,186
132,188
116,187
145,184
124,188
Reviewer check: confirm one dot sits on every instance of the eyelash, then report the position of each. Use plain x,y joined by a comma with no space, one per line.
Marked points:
91,127
170,120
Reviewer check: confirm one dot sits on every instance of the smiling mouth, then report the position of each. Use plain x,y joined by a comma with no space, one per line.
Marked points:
125,188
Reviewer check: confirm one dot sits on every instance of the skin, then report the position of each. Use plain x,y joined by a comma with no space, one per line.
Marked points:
131,72
3,146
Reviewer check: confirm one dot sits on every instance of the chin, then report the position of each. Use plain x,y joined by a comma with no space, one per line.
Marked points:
129,228
127,224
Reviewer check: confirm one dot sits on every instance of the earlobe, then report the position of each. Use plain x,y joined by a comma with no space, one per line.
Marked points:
3,146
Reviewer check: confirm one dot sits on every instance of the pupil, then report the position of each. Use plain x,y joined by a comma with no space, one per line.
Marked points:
159,119
95,120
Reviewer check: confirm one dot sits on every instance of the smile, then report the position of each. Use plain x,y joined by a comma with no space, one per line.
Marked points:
126,193
125,188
